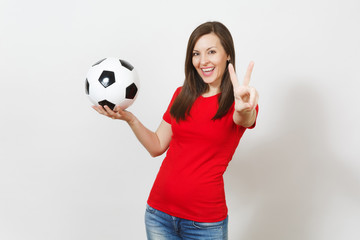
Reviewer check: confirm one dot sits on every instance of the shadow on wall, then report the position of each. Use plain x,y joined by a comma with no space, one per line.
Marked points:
292,179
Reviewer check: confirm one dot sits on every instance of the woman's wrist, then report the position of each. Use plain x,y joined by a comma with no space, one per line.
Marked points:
131,120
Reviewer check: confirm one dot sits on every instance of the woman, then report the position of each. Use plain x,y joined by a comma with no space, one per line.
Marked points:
200,131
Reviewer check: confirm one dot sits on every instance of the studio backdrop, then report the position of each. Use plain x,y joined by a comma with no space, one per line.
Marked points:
69,173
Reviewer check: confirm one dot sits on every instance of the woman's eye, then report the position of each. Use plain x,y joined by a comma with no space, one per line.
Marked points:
195,54
212,52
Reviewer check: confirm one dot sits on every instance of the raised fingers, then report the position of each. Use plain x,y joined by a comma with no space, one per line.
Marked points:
233,76
248,74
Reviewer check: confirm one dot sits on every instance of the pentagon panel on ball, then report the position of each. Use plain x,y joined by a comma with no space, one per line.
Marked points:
112,82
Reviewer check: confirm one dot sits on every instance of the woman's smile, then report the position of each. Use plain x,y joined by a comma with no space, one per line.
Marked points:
207,71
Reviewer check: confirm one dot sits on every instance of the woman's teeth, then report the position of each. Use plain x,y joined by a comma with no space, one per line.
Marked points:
208,69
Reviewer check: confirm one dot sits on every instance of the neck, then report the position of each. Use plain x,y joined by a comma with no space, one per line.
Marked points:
213,90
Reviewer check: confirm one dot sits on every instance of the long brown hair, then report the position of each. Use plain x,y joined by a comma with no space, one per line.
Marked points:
193,85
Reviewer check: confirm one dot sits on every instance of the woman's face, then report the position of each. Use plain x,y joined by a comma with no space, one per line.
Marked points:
209,59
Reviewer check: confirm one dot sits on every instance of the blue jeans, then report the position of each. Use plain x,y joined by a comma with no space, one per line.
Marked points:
162,226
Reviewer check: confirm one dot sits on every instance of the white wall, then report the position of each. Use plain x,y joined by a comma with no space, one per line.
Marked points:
68,173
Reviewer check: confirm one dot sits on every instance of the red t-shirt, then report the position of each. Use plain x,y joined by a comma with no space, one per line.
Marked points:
190,182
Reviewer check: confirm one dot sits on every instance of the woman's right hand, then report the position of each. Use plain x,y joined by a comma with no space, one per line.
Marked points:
117,113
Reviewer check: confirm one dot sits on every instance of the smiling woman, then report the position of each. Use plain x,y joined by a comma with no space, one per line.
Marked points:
200,131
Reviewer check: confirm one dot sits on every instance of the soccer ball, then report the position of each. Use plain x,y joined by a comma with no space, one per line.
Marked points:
112,82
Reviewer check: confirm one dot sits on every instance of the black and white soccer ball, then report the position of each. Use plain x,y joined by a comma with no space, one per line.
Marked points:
112,82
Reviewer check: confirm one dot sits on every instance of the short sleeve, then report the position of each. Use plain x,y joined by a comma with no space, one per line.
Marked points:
167,116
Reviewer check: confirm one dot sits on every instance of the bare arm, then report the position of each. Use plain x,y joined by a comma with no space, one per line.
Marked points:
156,143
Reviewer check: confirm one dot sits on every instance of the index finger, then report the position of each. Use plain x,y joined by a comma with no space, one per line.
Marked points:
233,76
248,74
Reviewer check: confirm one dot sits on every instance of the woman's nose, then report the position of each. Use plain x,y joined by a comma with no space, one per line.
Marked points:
204,59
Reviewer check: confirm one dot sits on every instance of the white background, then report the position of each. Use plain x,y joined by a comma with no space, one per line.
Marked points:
68,173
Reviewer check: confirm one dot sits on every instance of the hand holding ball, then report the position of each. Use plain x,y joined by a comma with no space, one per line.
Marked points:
112,82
